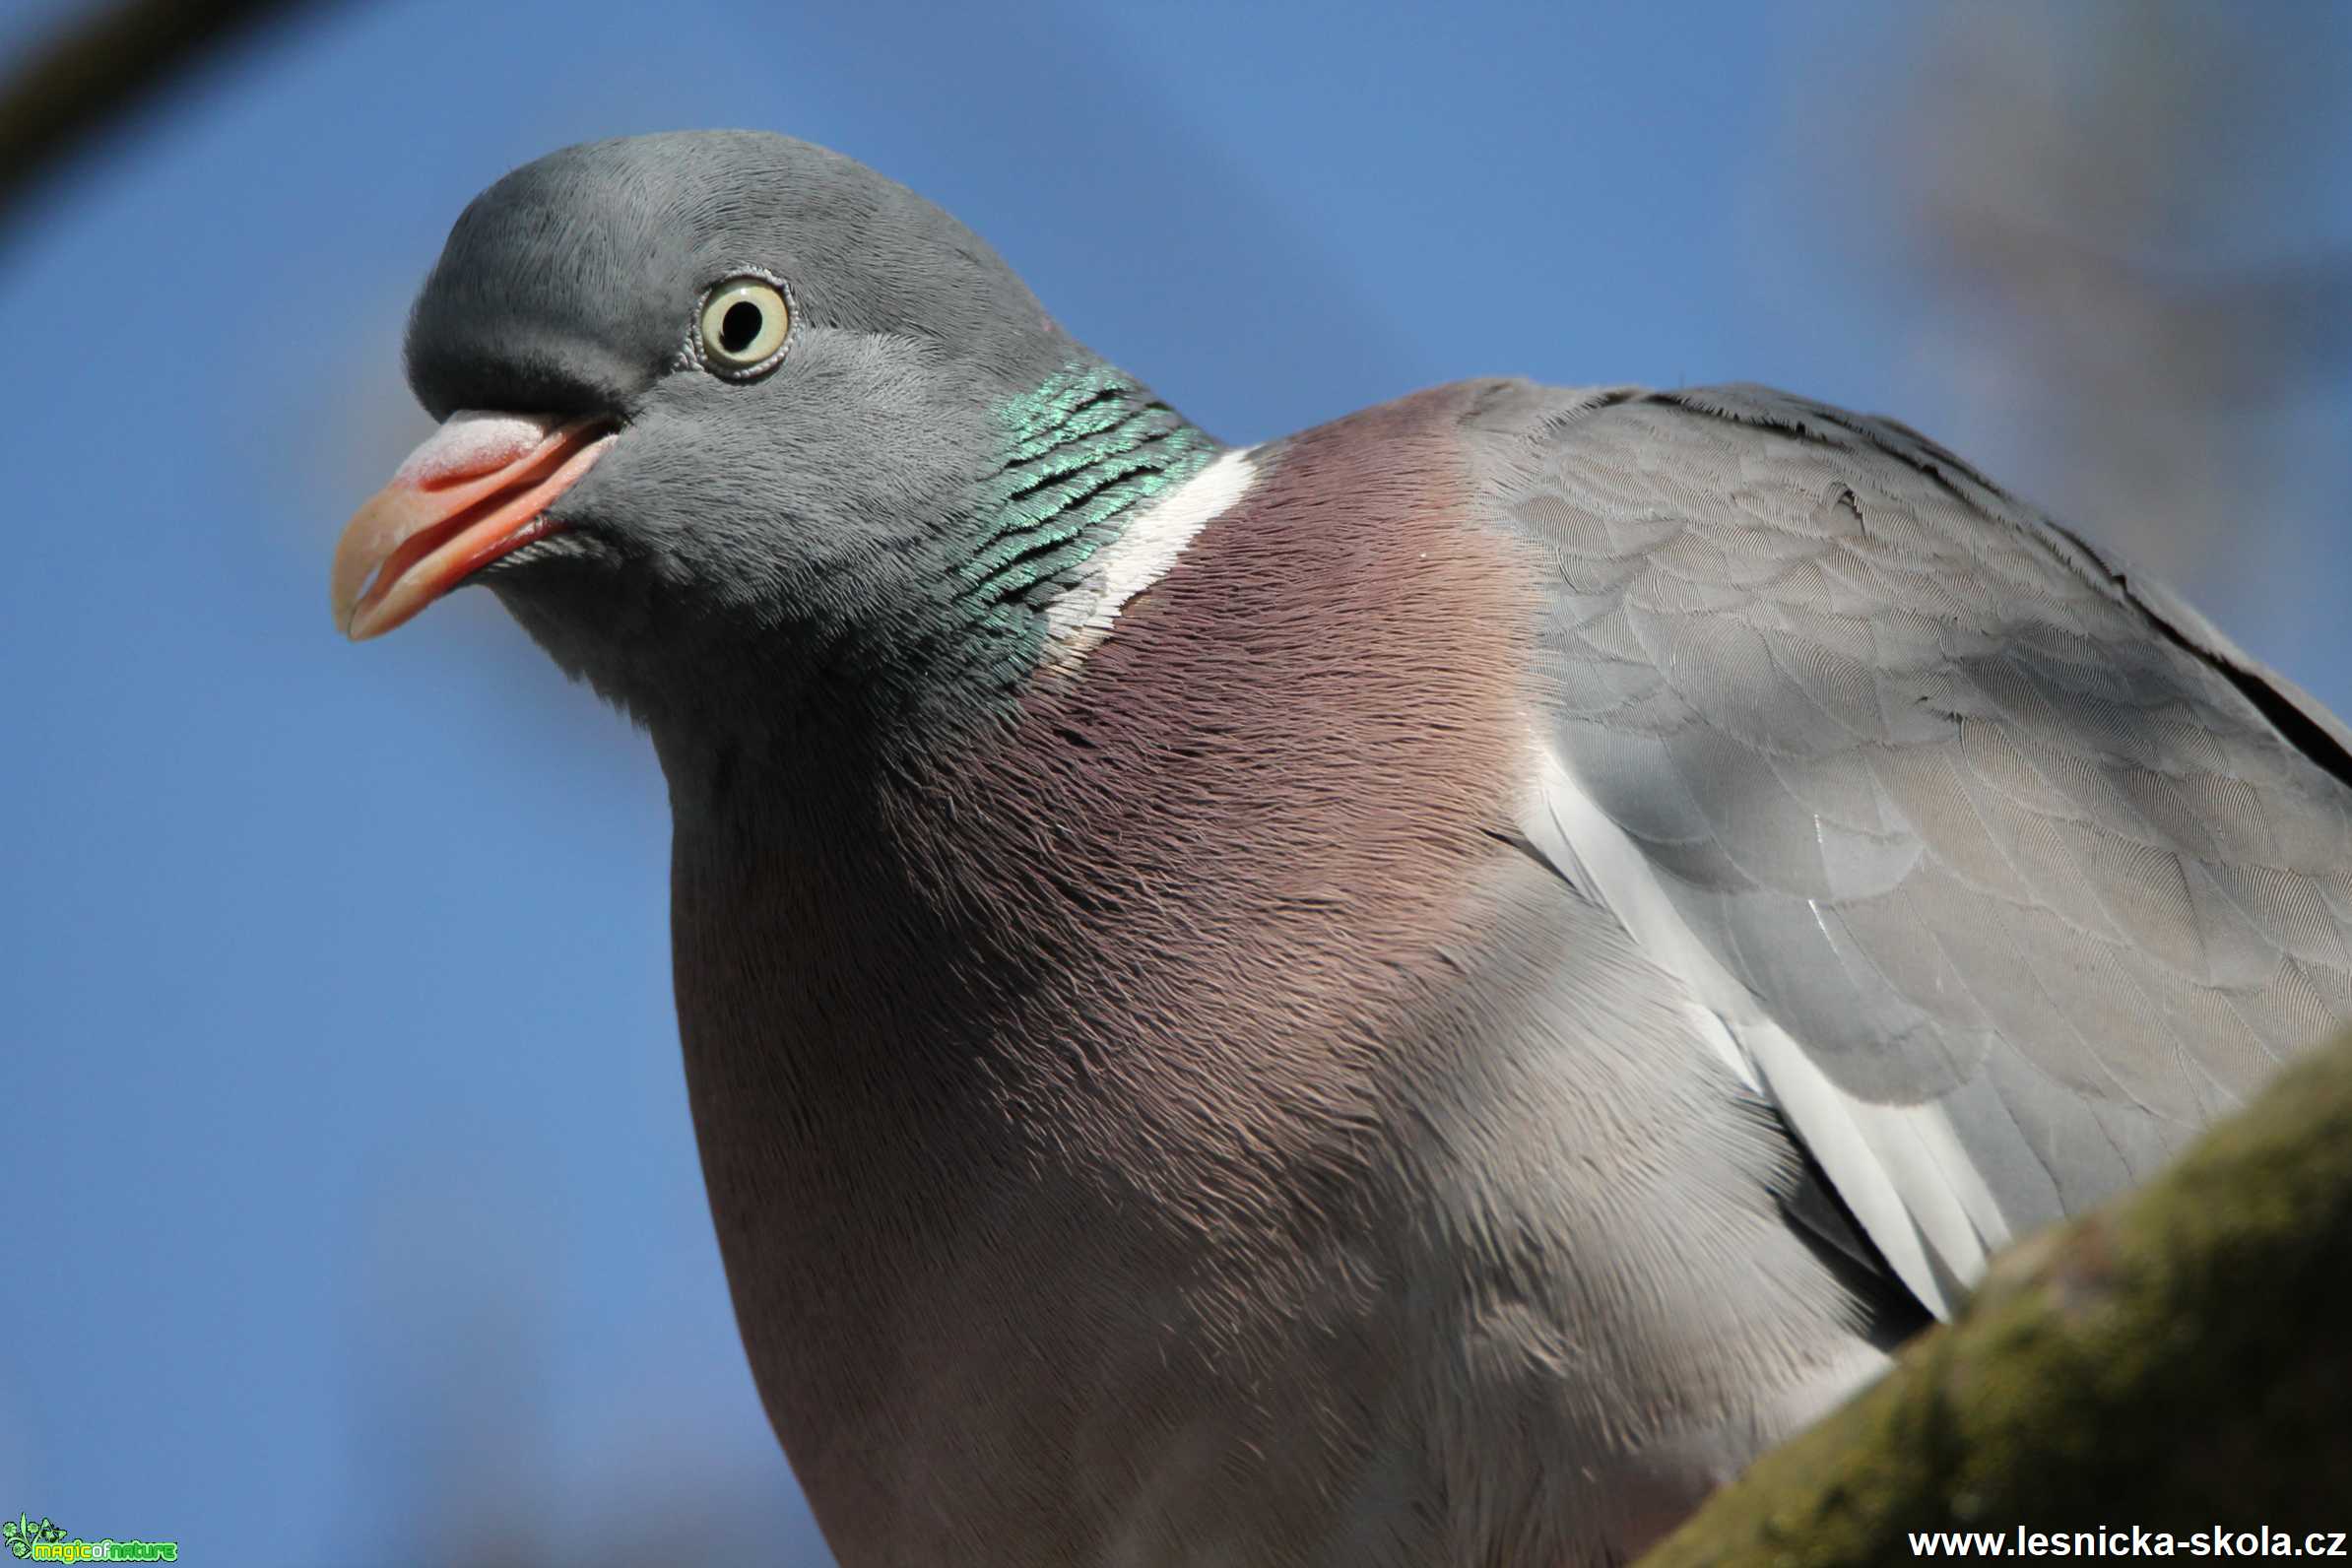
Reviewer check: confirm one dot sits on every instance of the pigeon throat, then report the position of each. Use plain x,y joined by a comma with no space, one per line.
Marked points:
1085,457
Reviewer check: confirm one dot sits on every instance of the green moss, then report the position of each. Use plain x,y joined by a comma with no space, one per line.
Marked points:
2179,1360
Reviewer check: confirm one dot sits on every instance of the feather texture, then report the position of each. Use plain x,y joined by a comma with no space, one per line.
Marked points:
2005,874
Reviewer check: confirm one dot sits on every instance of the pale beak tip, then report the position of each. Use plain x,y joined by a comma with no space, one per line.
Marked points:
361,621
475,491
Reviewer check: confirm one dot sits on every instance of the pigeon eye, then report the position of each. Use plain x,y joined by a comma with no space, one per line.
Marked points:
743,327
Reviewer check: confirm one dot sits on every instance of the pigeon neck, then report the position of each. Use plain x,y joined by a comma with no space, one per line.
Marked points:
1081,457
1092,488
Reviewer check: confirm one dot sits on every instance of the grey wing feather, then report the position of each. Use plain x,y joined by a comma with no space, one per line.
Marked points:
2003,873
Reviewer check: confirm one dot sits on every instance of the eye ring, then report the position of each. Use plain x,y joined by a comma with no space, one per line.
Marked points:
742,326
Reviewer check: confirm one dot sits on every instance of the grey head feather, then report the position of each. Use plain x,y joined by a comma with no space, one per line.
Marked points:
739,539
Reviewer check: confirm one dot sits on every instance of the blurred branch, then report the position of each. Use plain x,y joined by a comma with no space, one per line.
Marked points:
2127,215
2175,1361
95,72
2260,331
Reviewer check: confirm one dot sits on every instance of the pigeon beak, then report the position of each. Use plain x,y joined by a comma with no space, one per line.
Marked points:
477,489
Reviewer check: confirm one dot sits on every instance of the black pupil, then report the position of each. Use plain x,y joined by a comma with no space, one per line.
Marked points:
740,326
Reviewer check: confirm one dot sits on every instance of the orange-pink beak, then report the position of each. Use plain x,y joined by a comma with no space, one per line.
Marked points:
477,489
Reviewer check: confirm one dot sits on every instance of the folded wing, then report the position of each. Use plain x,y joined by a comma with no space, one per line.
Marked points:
2002,873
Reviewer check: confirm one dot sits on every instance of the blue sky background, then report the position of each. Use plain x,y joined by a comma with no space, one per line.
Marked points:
348,1196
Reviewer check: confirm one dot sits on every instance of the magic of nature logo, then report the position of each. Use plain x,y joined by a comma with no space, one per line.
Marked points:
46,1541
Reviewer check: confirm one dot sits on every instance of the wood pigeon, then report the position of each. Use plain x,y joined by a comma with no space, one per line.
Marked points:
1412,995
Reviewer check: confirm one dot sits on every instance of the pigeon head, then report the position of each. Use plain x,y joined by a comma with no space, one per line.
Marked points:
725,409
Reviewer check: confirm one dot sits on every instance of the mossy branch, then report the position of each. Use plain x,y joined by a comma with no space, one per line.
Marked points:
2177,1360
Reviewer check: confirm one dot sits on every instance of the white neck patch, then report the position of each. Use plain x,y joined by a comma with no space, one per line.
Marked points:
1142,555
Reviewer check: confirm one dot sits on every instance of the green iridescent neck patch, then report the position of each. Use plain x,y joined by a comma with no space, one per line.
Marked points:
1081,454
